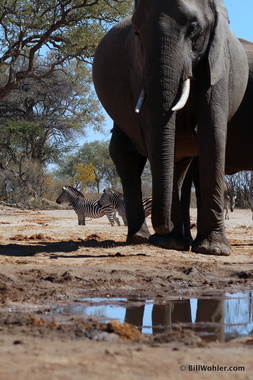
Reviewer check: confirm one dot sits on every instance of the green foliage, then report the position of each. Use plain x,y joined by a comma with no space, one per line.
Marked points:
46,95
41,119
61,31
97,154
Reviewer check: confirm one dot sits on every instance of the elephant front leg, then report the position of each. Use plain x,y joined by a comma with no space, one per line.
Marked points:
129,165
211,237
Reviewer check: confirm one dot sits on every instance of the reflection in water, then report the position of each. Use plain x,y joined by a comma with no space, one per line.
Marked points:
213,319
243,310
211,311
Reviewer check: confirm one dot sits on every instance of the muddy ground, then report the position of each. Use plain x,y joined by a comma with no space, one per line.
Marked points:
48,261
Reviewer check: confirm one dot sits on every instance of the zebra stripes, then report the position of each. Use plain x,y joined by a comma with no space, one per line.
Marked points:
116,199
86,207
147,205
111,197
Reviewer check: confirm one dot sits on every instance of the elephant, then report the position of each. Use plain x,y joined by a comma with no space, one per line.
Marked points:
239,152
171,77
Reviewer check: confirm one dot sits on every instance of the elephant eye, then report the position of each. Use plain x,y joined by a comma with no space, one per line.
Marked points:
193,29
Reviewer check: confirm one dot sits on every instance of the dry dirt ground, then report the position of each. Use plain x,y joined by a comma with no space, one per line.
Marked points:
47,260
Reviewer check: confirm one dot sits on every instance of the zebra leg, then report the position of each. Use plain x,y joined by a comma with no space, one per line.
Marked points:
81,216
122,213
124,219
130,164
110,220
116,218
81,219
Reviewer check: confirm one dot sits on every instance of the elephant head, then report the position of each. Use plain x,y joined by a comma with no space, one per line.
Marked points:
173,56
184,32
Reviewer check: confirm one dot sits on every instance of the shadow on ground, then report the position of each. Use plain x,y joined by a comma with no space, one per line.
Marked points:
21,250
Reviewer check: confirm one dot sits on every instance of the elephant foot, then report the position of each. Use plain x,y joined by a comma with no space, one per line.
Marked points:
138,238
212,245
169,241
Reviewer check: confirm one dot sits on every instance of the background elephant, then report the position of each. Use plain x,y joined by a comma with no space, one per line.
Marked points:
239,147
185,62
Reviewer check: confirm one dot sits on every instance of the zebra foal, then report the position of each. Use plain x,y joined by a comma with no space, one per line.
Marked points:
116,199
86,207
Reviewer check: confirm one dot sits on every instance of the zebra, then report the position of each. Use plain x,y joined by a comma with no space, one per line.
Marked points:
116,199
85,207
229,202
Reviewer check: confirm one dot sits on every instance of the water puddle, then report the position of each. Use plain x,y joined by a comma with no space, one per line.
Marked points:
213,318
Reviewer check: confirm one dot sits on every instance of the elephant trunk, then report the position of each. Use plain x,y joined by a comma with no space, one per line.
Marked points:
162,167
164,96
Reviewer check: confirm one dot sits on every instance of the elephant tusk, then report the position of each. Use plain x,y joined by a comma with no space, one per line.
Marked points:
184,97
140,101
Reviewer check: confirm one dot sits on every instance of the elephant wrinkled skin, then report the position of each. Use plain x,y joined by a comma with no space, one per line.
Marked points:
239,152
165,46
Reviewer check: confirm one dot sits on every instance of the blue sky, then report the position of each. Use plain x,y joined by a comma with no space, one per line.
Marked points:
240,14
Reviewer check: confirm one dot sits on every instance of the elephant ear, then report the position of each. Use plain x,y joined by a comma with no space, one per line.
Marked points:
218,49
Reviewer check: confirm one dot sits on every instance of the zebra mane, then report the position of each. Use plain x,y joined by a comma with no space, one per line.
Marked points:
74,190
110,190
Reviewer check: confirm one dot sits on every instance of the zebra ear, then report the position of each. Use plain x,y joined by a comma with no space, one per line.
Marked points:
64,188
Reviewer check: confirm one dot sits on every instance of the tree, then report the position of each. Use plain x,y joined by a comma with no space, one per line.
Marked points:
60,30
85,174
97,154
39,121
146,179
241,185
21,186
46,99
